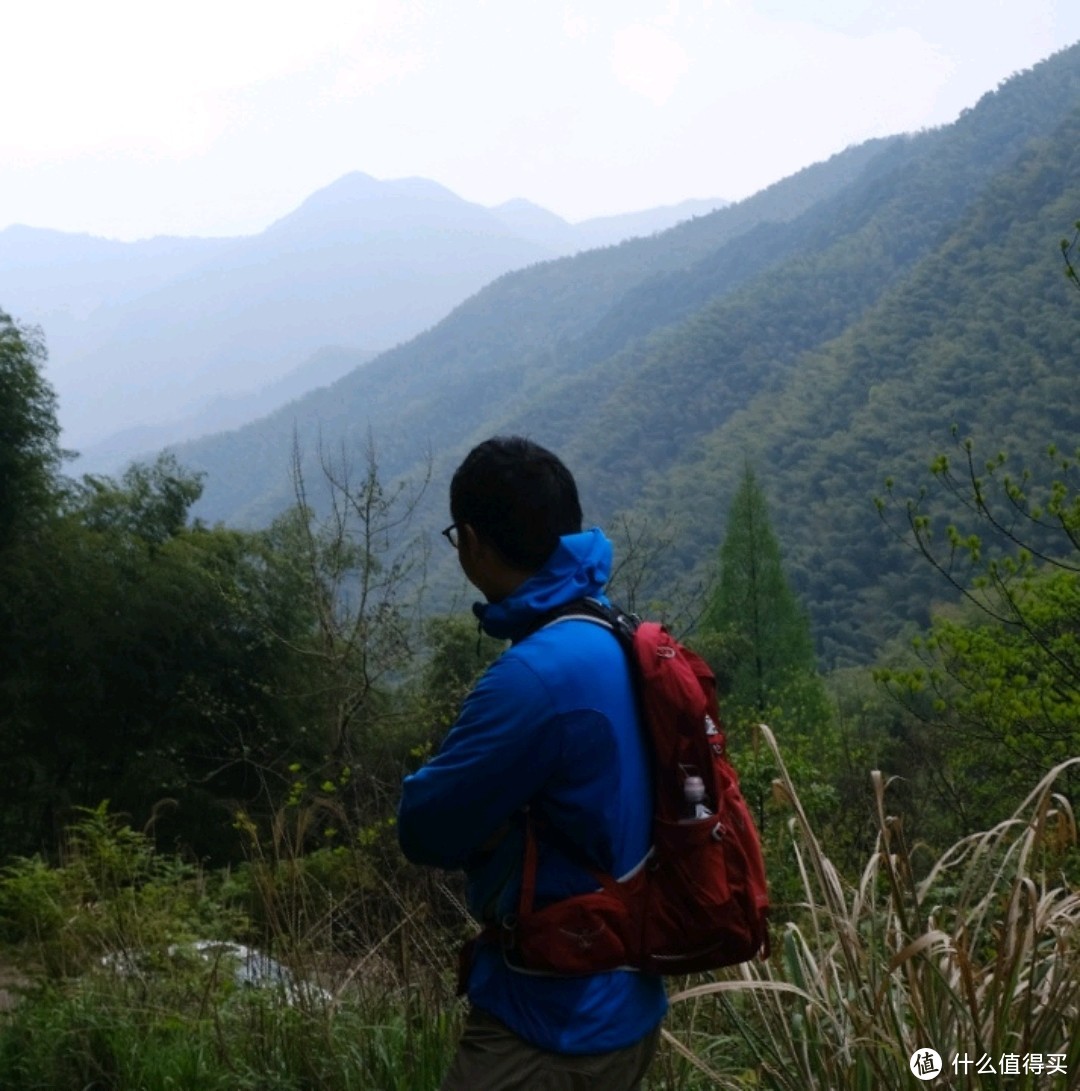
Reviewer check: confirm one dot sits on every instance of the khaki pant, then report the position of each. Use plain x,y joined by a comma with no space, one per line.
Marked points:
491,1057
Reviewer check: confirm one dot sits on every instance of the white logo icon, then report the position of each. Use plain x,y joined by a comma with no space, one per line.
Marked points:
925,1064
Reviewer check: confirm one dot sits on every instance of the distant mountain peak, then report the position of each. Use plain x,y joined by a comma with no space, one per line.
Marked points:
358,201
348,188
520,204
356,185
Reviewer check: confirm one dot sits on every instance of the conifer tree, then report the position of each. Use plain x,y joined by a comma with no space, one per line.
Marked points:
753,615
757,638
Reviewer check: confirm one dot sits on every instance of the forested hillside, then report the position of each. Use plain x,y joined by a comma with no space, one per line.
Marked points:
831,329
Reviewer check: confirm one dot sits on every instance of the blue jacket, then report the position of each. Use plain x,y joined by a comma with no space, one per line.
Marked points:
552,724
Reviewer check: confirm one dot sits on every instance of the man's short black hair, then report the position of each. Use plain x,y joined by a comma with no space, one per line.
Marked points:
518,497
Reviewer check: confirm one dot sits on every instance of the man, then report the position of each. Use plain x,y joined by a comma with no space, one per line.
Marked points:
552,727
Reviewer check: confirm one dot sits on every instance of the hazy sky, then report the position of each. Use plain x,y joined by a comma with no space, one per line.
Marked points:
131,118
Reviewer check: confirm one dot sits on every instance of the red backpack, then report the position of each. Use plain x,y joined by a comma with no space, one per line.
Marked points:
699,901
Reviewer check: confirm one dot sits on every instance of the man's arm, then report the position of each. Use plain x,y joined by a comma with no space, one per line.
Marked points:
502,749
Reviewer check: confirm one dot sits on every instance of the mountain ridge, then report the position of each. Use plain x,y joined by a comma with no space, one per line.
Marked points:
556,302
172,322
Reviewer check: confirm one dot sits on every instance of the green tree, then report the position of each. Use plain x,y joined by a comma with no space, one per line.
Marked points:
150,502
29,459
758,633
993,692
757,637
29,434
142,669
996,705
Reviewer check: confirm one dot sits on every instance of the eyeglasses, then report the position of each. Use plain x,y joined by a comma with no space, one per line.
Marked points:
451,534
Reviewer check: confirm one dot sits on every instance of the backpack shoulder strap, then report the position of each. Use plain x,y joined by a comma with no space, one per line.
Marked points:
622,624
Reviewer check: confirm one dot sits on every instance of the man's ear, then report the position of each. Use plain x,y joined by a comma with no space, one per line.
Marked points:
475,550
468,539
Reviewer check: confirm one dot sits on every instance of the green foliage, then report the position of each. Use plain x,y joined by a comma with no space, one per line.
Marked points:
112,895
29,434
142,665
455,653
119,994
993,690
1007,698
29,458
985,527
182,671
150,502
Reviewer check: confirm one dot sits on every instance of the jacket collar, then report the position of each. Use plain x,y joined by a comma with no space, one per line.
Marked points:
579,567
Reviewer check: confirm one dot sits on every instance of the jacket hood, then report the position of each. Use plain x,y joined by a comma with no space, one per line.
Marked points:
579,567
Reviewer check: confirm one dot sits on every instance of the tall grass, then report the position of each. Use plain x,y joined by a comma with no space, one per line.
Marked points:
975,954
101,1034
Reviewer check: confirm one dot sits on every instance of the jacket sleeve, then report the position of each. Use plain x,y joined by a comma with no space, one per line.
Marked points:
501,750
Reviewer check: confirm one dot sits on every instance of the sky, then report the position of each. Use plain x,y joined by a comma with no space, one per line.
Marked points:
134,118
